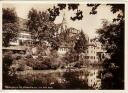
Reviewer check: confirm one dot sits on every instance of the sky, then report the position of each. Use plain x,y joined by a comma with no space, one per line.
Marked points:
89,24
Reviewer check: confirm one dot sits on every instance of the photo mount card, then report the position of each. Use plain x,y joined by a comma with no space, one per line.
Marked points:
63,46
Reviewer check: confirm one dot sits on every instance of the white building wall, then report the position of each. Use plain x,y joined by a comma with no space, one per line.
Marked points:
91,52
94,48
15,42
23,36
62,50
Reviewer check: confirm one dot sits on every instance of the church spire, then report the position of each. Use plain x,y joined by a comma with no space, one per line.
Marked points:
64,24
81,30
64,20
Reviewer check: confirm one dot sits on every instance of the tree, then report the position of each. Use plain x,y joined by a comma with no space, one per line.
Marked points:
81,43
80,46
112,38
111,35
41,27
10,25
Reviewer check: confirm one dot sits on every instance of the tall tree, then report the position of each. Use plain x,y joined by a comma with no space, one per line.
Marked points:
41,27
10,25
111,35
112,38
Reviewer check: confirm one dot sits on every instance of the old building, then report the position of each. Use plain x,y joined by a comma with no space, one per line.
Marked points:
67,35
23,38
94,50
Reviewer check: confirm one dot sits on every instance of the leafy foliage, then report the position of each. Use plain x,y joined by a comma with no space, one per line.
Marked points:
111,35
81,43
94,7
112,38
114,9
71,56
9,15
55,11
41,27
10,25
8,74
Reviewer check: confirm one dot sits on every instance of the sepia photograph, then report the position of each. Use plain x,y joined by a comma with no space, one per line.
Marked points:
69,46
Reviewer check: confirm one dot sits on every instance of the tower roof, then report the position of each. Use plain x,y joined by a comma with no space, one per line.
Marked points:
64,20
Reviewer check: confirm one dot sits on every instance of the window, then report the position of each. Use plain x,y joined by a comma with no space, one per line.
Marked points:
91,74
98,48
91,57
86,57
21,42
87,51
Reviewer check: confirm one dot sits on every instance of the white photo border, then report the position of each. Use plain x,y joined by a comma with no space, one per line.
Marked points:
74,91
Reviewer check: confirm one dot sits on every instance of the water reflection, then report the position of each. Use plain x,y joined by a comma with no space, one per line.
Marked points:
89,76
93,80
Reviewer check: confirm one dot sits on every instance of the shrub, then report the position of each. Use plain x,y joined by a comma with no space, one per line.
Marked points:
9,75
42,63
7,61
16,56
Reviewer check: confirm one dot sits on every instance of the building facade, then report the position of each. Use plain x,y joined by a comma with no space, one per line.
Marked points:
93,50
23,38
